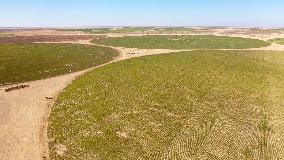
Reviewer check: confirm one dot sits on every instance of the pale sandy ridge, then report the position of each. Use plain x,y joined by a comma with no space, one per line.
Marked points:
24,113
230,32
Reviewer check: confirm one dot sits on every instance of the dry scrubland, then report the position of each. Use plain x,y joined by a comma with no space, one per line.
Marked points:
177,30
10,39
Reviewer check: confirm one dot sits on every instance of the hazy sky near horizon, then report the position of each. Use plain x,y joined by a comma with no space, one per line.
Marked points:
75,13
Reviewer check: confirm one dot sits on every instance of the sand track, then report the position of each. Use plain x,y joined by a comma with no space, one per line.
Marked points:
24,113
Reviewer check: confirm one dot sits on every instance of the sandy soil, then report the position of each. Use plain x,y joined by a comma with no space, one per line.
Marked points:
253,36
272,47
24,113
230,32
263,34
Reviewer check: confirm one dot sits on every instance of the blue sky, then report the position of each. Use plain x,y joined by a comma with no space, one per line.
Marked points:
74,13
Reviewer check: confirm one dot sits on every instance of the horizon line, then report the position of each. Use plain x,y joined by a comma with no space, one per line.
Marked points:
134,26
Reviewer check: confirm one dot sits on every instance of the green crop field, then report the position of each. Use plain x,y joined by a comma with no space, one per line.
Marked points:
278,41
188,105
182,42
27,62
2,35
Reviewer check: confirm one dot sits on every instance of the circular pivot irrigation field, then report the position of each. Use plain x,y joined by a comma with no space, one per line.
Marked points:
182,42
188,105
27,62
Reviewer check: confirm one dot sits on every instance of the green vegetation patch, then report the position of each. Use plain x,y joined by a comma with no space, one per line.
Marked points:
182,42
278,41
188,105
27,62
3,35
